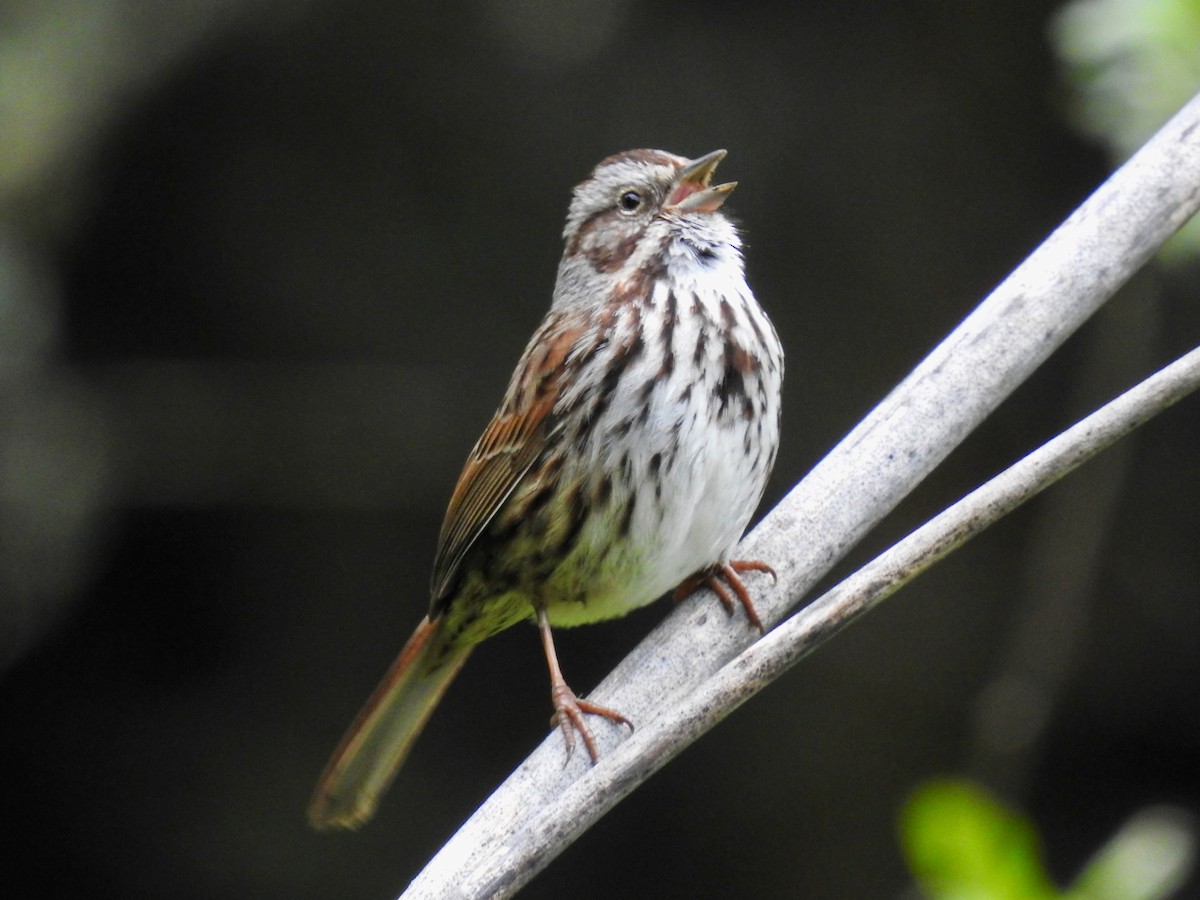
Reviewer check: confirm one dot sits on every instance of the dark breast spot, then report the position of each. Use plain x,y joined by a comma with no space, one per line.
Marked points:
622,356
701,345
603,492
576,515
627,516
739,363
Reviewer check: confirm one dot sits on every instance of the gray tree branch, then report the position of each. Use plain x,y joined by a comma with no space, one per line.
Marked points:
677,683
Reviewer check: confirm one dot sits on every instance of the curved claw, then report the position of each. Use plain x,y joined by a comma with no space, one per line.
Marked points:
569,713
730,572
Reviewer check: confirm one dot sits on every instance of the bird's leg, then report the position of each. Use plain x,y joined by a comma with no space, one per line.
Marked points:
569,709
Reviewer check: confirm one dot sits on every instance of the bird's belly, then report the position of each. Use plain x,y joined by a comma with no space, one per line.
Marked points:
690,507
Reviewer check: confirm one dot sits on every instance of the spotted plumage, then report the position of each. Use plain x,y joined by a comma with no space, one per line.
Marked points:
625,460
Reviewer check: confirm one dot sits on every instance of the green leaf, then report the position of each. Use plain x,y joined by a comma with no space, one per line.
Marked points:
962,844
1131,64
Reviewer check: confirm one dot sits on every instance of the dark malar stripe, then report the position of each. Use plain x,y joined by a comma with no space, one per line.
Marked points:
604,255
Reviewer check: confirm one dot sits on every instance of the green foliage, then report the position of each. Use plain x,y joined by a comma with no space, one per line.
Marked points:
963,844
1131,64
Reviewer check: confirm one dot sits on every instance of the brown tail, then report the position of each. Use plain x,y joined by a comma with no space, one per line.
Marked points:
380,737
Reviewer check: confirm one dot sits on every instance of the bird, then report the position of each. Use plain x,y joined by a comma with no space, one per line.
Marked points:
629,452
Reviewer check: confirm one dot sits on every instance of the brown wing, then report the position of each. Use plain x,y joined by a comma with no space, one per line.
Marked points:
507,449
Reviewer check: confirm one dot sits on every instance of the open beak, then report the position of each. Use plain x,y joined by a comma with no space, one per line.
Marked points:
691,191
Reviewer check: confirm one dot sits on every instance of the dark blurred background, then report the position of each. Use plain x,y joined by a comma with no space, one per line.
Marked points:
264,271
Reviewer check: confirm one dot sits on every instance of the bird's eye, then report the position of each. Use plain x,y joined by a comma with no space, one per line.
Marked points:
629,201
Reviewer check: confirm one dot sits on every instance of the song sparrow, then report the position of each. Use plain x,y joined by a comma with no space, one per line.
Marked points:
627,456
